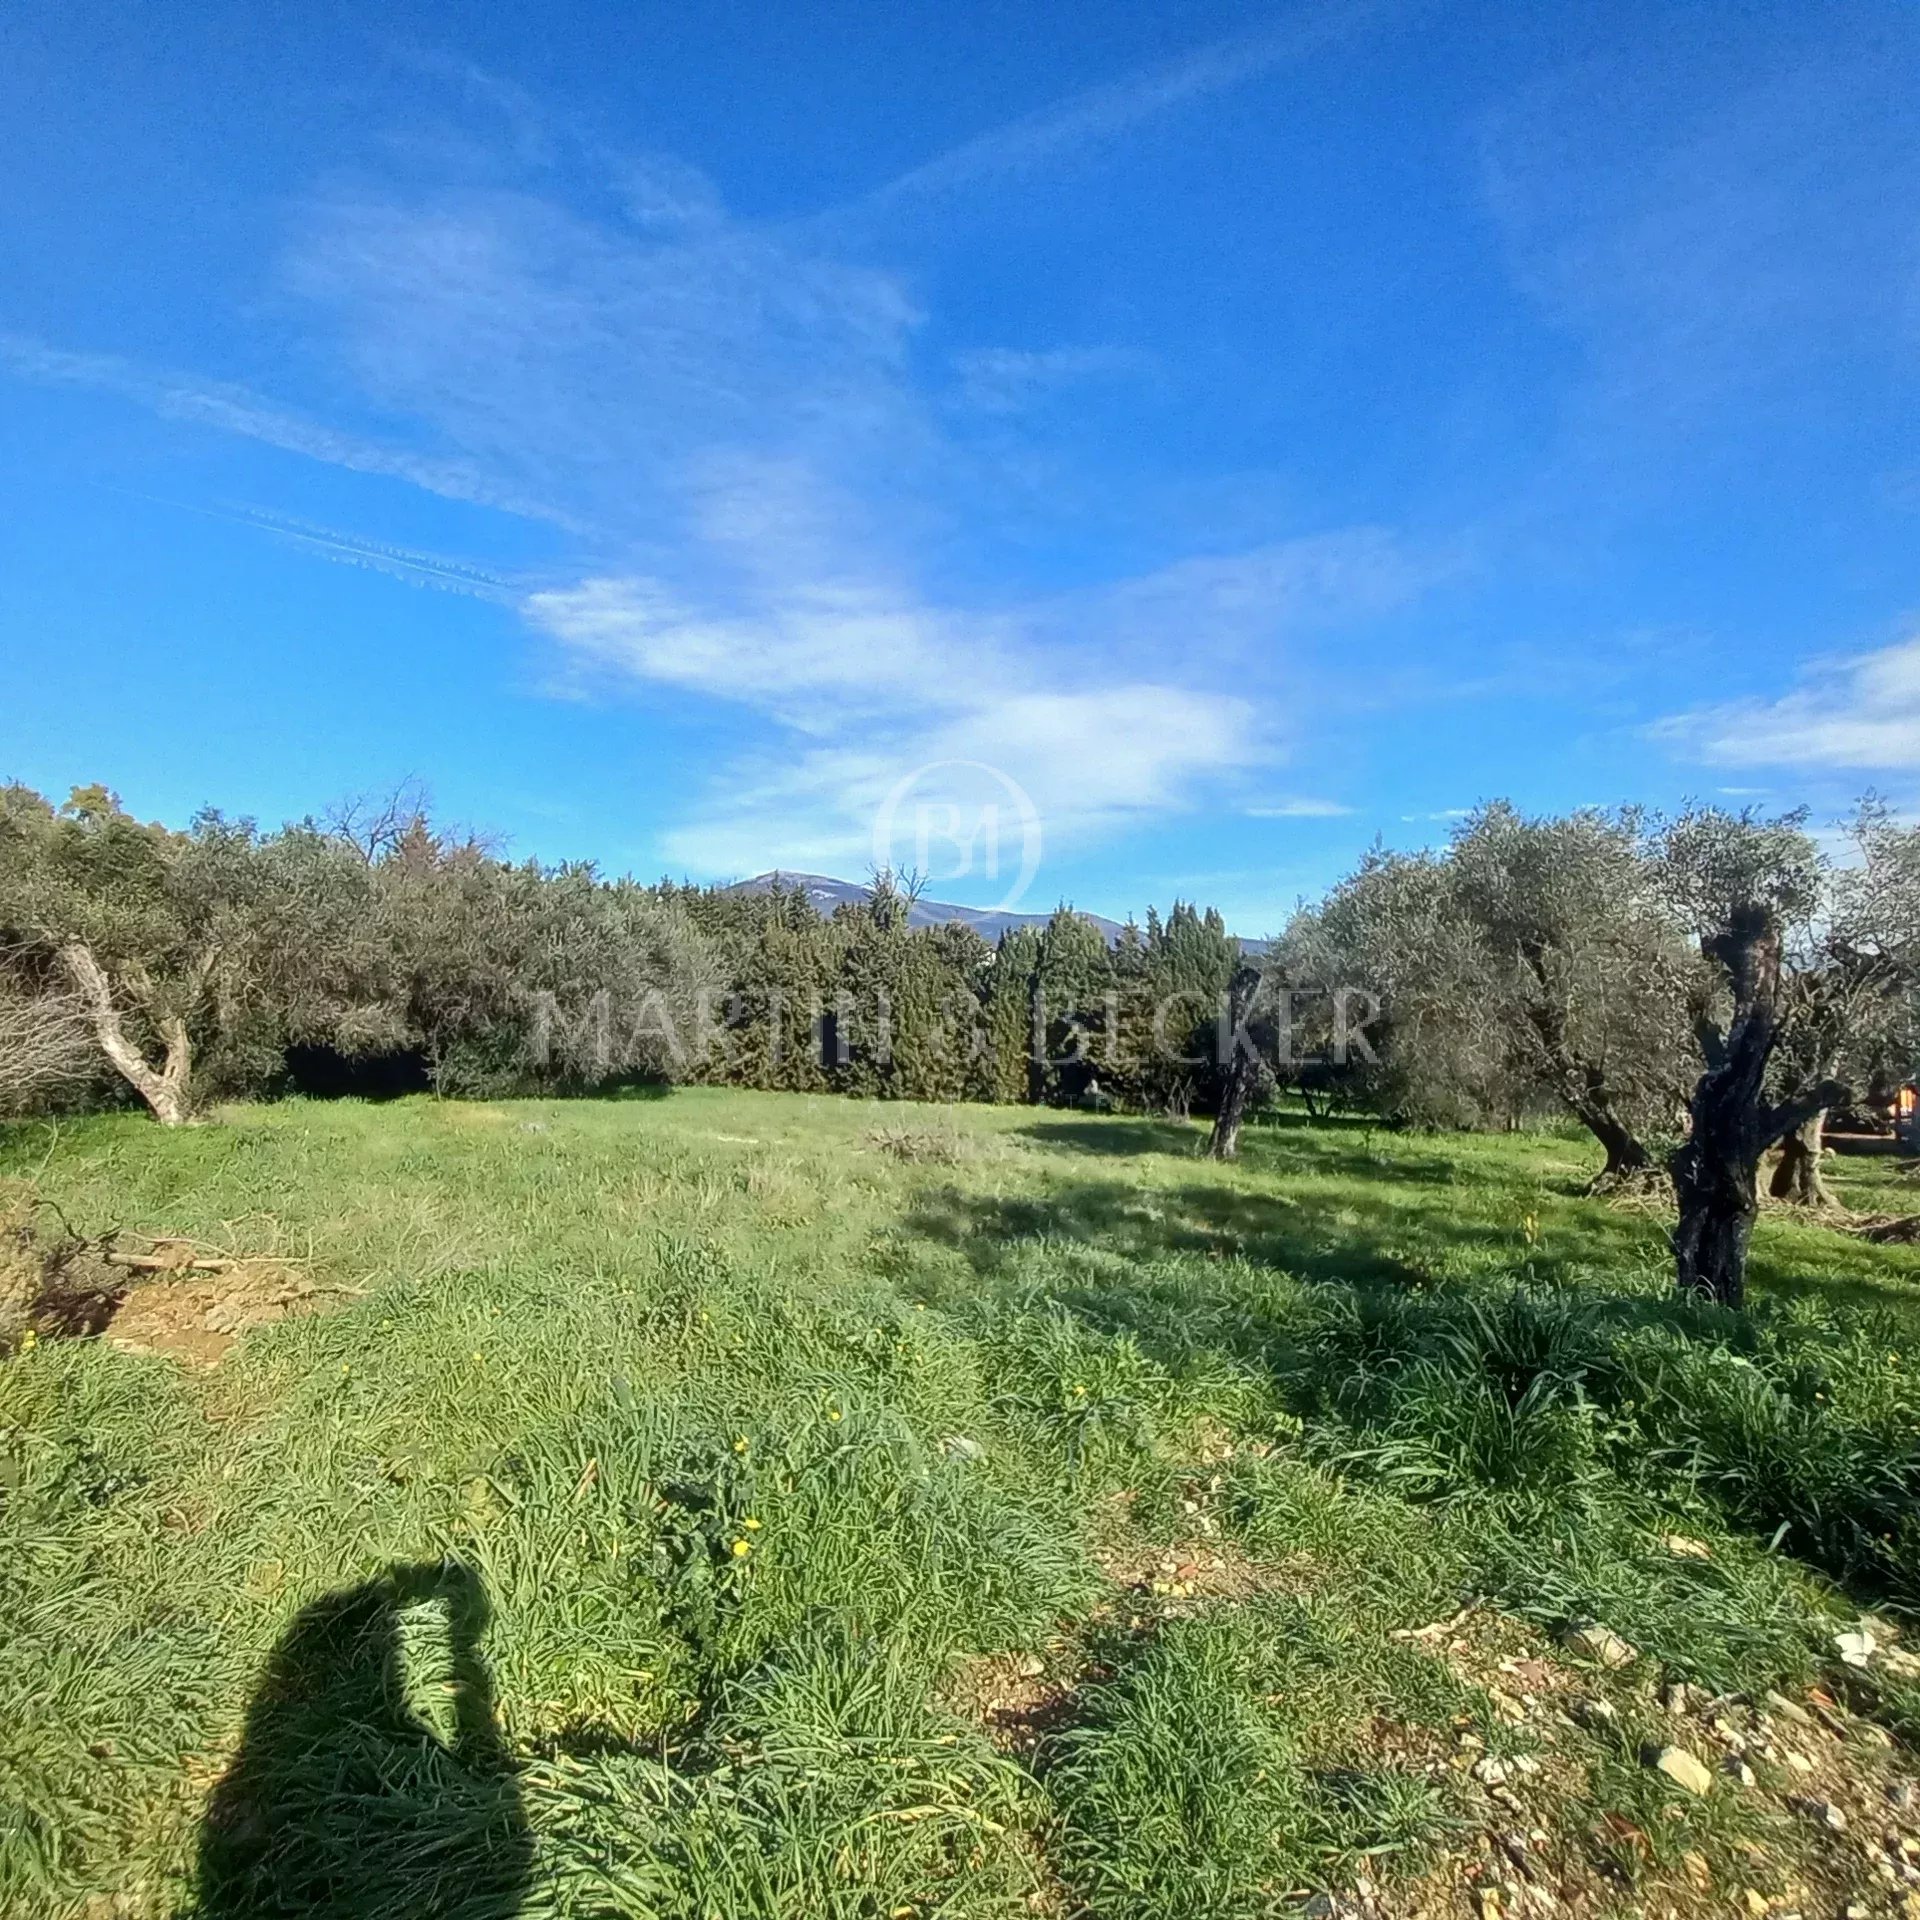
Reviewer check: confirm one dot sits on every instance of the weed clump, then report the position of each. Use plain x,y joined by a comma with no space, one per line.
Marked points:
929,1146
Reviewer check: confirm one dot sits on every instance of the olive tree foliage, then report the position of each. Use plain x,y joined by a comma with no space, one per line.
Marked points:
1442,1050
504,976
1714,966
126,916
1850,985
198,959
499,976
1591,979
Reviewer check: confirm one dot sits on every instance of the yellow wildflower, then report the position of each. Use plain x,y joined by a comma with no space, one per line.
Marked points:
741,1548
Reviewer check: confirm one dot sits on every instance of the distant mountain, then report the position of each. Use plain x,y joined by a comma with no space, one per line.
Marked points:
827,893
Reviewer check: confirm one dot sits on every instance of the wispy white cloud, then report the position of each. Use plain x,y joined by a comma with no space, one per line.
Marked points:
1235,606
596,366
820,651
1715,232
1088,763
1008,379
1858,713
226,408
1304,809
1104,113
880,685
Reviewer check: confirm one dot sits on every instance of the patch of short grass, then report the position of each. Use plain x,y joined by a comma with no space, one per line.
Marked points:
1225,1763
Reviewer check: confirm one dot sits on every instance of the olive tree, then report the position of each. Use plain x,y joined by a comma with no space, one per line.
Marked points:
1754,893
120,910
1244,1075
1442,1052
1850,995
1589,975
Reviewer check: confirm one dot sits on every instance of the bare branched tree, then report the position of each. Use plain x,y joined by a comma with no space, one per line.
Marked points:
375,824
46,1048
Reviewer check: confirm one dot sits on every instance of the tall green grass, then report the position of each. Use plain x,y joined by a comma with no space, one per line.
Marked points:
691,1448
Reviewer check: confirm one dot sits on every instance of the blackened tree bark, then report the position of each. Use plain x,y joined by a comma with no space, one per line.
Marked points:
1243,1069
1716,1172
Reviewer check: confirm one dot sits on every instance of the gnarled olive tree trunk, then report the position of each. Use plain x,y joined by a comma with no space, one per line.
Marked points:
166,1088
1796,1177
1714,1184
1582,1082
1627,1158
1716,1172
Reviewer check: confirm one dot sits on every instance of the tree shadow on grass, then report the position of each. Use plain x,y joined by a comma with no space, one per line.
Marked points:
1115,1216
1482,1376
343,1799
1313,1231
1398,1254
1282,1144
1341,1209
1117,1137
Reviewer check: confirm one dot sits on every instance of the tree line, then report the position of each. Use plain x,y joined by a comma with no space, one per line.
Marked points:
181,967
1694,990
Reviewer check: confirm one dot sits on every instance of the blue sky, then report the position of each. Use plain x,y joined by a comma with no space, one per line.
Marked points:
679,436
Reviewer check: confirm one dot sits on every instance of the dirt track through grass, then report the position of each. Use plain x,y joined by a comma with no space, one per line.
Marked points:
641,1534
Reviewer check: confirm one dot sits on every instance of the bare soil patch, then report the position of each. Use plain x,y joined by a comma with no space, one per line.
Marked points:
1017,1698
140,1293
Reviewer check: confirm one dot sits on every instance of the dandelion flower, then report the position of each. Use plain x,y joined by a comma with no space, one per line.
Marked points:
751,1524
741,1548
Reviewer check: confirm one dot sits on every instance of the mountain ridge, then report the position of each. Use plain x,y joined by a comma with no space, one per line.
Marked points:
826,893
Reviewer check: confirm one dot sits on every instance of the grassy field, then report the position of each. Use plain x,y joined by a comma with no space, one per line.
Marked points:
743,1504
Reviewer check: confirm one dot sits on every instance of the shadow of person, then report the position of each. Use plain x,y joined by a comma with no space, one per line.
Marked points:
371,1778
